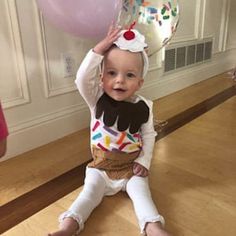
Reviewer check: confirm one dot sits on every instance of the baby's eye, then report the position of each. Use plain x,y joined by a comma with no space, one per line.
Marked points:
131,75
111,73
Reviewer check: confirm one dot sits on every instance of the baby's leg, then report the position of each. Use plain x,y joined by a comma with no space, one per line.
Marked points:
72,221
150,220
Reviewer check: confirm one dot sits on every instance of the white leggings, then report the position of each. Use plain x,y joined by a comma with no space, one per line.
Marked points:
97,185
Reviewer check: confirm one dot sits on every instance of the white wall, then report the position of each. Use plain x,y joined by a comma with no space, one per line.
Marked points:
231,39
41,105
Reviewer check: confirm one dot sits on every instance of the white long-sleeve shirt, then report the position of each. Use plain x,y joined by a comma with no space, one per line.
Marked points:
110,138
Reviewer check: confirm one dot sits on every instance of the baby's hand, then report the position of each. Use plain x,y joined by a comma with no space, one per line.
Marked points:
140,170
106,43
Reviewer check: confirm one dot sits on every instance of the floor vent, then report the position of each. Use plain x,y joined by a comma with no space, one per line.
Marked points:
183,56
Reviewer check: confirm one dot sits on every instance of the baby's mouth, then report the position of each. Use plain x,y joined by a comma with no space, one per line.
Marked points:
119,90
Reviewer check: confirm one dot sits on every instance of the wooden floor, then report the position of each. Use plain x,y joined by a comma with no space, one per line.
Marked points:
193,177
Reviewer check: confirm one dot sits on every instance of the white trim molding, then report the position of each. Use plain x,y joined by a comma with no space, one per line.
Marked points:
49,89
198,23
19,59
224,26
46,128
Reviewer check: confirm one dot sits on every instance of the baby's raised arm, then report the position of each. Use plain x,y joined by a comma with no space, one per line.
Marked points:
106,43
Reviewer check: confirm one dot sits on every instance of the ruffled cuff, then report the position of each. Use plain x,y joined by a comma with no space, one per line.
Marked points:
74,216
158,218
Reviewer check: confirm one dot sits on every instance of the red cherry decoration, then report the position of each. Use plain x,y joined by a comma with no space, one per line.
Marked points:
129,35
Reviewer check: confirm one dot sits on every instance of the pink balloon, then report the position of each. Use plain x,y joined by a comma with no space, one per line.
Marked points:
88,19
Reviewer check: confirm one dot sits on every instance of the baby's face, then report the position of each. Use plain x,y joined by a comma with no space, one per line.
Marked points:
122,73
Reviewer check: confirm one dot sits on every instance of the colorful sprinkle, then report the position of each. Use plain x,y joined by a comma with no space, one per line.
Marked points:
146,4
163,11
167,7
95,126
152,10
109,130
130,137
123,145
97,136
137,135
150,18
165,40
125,8
126,5
173,13
120,140
107,140
139,2
102,147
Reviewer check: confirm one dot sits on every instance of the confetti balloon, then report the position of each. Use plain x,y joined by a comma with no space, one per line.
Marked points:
88,19
157,20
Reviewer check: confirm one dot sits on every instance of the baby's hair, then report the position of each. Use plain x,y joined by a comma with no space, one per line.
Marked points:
101,67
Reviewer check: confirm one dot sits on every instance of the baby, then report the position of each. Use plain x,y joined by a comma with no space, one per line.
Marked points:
122,131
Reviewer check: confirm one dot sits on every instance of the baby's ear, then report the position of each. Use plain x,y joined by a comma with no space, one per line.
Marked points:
141,83
101,83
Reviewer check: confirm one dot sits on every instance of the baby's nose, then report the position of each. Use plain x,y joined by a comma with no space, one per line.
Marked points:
120,78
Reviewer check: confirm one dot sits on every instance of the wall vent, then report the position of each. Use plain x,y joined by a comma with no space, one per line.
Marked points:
183,56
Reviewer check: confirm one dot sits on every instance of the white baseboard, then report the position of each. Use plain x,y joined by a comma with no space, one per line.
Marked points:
35,133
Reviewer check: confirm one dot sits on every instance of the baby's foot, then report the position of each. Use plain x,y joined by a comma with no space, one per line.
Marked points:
60,233
68,227
155,229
